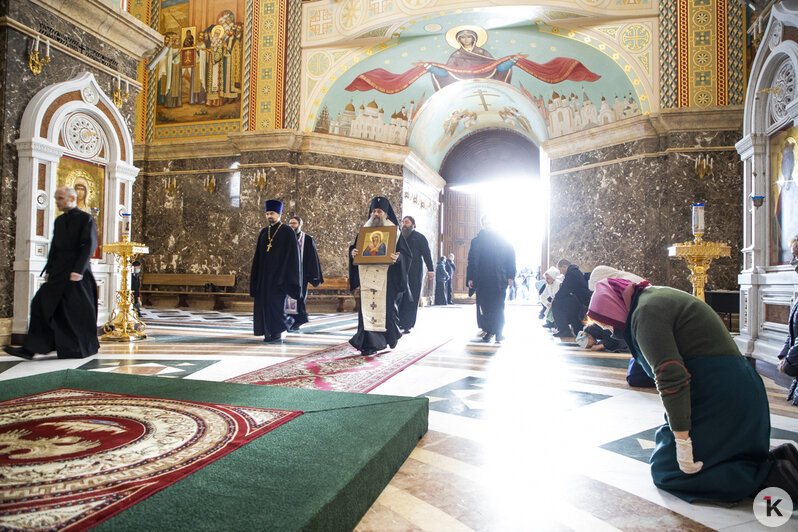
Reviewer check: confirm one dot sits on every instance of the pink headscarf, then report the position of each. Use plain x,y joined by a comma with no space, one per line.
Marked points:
610,302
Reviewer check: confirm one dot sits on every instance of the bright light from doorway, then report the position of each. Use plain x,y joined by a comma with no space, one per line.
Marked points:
518,207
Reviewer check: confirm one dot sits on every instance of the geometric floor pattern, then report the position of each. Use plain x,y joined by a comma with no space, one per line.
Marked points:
533,434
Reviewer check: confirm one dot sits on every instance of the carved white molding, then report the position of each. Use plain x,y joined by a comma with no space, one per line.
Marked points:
784,83
82,135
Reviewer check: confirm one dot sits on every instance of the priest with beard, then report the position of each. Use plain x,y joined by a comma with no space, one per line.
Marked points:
381,286
275,275
419,247
491,269
63,313
311,272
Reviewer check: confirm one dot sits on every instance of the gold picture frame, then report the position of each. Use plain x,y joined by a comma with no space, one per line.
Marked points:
375,245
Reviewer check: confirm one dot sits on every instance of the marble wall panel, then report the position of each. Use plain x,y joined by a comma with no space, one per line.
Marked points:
626,213
197,232
19,85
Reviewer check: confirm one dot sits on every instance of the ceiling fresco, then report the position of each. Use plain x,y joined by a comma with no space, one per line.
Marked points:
574,79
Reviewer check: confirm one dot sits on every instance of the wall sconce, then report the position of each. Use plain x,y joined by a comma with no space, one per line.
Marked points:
171,186
703,166
210,185
34,62
260,180
757,201
120,98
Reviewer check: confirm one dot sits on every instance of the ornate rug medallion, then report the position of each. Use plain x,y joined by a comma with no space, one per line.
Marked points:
72,458
339,368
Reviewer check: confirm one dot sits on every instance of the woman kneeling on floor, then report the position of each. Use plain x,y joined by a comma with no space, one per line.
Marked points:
715,443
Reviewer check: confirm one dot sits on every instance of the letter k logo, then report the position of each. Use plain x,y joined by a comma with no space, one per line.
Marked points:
772,506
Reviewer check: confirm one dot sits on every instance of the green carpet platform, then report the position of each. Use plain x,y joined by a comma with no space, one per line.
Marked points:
320,470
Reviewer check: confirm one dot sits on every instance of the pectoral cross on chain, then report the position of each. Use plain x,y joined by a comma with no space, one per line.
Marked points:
268,247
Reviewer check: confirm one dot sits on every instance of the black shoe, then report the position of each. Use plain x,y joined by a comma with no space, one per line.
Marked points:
786,451
367,352
548,325
563,334
783,475
294,328
487,338
20,352
273,338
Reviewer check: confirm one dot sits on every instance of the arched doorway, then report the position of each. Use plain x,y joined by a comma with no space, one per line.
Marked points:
494,172
71,134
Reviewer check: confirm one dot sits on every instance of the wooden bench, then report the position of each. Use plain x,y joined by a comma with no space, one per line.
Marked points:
185,289
338,288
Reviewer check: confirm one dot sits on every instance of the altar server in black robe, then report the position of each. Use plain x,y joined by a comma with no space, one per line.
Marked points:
419,247
381,286
311,269
450,268
491,269
63,313
275,275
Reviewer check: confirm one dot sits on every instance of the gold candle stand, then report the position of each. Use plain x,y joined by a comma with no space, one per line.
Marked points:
698,255
124,325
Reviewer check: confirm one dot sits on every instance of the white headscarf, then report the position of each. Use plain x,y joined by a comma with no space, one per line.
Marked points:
602,272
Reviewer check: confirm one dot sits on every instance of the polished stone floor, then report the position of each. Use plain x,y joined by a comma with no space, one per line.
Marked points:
532,434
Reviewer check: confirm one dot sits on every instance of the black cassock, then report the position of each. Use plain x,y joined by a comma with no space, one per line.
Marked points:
311,273
275,274
396,286
441,282
408,306
63,313
491,262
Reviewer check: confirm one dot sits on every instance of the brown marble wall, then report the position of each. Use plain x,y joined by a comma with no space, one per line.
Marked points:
634,199
18,85
197,232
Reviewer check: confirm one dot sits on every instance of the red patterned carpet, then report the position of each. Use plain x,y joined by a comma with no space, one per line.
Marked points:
339,368
71,458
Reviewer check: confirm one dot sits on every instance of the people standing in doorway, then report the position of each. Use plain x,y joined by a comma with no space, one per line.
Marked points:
311,273
381,286
63,313
441,281
419,247
491,269
570,303
450,268
275,275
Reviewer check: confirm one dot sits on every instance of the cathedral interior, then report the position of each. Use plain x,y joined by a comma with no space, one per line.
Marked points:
588,129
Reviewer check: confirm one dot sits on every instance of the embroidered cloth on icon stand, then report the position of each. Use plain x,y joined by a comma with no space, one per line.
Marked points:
339,368
73,458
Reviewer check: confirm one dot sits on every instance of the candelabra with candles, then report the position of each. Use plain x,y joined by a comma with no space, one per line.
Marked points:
35,63
119,98
703,166
260,180
699,253
124,325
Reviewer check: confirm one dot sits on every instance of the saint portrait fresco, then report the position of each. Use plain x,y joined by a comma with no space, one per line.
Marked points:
199,78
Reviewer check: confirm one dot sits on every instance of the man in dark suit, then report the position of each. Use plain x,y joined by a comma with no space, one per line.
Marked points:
450,268
63,313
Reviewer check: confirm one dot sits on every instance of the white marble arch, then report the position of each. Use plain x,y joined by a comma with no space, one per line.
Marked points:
79,102
770,105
